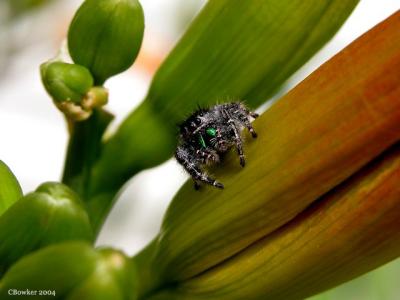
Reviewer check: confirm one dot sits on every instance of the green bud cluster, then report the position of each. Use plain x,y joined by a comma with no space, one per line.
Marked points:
71,87
51,214
104,39
73,271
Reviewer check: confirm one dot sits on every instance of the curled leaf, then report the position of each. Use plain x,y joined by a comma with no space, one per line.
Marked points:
350,231
337,120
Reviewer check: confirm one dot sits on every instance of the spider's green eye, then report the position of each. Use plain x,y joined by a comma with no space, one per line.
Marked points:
211,131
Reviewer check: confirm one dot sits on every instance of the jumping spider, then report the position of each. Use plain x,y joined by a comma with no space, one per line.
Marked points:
207,134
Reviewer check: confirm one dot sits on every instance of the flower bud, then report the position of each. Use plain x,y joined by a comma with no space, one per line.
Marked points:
53,213
97,96
66,82
105,36
71,87
10,190
86,273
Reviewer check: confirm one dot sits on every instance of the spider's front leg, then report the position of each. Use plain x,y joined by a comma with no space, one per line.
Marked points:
243,117
238,142
236,136
193,168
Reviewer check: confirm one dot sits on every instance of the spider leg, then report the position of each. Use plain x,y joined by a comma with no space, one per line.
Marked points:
250,128
237,138
238,143
243,117
194,170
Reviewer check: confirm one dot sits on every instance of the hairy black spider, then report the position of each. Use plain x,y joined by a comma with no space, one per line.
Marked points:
208,133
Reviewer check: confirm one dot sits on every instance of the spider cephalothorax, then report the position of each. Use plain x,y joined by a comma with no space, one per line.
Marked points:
207,133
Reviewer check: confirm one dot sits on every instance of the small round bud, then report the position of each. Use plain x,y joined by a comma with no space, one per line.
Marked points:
105,36
66,82
96,97
71,87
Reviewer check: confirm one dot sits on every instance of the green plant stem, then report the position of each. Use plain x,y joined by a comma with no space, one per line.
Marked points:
83,149
146,132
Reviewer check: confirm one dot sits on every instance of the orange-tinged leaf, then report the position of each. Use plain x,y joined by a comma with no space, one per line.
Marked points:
349,231
337,120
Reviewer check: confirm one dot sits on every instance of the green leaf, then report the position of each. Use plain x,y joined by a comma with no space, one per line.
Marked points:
242,50
10,190
53,213
233,50
105,36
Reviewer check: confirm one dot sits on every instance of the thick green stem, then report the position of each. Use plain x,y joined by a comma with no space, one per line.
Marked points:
142,141
83,150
